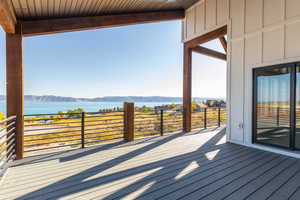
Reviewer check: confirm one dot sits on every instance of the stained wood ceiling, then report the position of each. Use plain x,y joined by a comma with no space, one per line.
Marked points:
47,9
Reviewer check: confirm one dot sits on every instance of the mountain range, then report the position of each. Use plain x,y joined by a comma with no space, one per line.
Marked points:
52,98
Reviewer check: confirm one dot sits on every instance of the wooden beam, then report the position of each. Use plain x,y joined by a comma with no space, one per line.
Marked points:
7,16
187,89
224,43
49,26
14,85
209,52
207,37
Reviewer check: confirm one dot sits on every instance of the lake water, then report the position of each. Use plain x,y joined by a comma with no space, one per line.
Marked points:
54,107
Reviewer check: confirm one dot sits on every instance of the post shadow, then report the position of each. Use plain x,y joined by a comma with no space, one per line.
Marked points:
80,177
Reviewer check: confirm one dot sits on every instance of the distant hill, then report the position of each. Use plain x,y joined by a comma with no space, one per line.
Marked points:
51,98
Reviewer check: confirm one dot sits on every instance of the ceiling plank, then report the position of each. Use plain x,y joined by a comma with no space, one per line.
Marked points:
7,16
207,37
224,43
209,52
60,25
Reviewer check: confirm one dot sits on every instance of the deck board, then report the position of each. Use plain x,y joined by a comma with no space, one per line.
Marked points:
198,165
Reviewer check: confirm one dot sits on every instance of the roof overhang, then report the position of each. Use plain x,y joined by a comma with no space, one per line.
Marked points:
37,17
49,26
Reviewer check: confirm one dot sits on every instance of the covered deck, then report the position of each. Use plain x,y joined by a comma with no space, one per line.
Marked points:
197,165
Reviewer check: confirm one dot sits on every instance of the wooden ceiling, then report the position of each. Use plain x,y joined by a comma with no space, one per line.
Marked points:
47,9
38,17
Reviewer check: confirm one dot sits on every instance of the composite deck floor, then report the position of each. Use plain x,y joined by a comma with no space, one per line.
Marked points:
199,165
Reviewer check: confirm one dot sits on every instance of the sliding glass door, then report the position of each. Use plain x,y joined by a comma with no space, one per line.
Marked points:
272,101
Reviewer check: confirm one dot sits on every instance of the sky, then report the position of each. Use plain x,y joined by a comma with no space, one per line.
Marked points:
138,60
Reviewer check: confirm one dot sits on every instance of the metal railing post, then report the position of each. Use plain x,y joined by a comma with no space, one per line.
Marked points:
82,130
219,116
278,117
205,118
161,122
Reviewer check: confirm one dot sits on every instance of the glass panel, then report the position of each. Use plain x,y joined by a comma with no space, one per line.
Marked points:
297,137
273,106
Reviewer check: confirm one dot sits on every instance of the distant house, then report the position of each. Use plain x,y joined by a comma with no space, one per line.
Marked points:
46,121
216,103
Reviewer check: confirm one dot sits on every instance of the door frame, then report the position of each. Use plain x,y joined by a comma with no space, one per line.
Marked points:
293,86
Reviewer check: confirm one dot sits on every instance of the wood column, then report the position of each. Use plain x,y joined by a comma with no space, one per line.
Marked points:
187,89
14,86
128,121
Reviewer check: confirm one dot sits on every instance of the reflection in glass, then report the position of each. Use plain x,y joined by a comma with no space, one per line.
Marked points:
273,106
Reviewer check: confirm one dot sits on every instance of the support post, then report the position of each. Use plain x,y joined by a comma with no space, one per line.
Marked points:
187,89
128,121
82,130
14,86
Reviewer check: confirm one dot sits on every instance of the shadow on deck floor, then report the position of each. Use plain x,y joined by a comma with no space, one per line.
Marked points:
198,165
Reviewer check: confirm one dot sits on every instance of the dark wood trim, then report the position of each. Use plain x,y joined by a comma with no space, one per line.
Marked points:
189,46
207,37
128,121
187,89
254,105
209,52
14,86
60,25
256,71
224,43
7,16
293,105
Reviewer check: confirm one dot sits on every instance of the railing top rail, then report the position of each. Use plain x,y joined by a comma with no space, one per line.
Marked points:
56,114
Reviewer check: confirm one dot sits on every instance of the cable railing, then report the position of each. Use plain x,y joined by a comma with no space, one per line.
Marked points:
157,122
209,117
7,142
53,132
44,133
147,124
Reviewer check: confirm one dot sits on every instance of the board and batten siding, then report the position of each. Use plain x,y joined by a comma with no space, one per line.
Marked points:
260,33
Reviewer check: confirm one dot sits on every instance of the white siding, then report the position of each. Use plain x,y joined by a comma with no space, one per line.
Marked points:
237,99
260,33
205,16
211,13
200,18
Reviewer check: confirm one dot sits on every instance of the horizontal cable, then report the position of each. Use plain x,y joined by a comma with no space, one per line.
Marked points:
9,138
7,126
103,136
103,140
10,150
49,138
87,125
101,120
52,133
55,147
50,124
8,119
54,128
103,132
41,144
104,116
149,134
112,127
